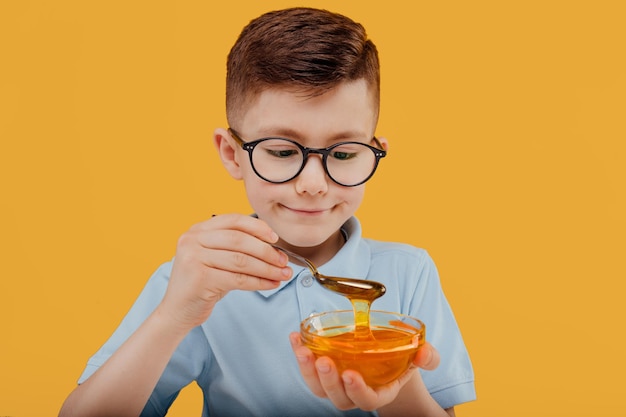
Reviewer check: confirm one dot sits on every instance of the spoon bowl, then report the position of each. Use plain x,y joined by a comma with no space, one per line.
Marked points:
352,288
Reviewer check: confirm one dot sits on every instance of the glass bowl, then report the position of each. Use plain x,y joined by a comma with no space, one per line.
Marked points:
380,356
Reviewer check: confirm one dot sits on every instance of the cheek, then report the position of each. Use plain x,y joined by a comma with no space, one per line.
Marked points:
354,195
259,192
251,180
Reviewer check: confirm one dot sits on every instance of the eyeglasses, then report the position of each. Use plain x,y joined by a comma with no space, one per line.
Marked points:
278,160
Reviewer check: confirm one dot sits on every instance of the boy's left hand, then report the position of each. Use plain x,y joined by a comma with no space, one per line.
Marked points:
348,390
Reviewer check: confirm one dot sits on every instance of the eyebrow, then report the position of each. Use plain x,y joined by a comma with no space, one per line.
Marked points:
282,131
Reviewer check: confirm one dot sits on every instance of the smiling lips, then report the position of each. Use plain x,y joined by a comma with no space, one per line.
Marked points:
308,211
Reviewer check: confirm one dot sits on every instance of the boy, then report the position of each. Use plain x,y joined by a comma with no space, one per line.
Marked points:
302,102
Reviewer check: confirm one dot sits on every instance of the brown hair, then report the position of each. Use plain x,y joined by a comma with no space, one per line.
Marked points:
306,48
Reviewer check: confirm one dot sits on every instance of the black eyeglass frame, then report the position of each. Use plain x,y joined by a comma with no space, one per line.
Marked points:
249,147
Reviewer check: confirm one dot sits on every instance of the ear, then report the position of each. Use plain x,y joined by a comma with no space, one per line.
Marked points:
228,151
384,142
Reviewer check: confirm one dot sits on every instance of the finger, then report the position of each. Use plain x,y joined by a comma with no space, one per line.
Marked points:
239,242
226,281
332,383
234,251
306,363
427,357
247,224
359,393
367,398
192,279
243,265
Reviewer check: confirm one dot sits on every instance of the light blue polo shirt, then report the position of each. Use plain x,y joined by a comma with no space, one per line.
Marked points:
241,357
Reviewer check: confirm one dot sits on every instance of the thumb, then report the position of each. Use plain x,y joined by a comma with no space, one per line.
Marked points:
427,357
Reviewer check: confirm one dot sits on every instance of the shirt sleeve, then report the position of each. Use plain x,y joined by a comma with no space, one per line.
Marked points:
187,362
452,383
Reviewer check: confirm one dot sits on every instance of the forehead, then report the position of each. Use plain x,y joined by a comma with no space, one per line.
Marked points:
348,107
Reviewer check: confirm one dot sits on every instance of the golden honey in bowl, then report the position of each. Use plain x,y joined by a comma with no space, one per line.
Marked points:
380,358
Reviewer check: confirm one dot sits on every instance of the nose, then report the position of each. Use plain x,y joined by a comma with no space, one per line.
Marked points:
312,178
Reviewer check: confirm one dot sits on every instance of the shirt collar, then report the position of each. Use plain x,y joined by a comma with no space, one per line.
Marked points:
352,260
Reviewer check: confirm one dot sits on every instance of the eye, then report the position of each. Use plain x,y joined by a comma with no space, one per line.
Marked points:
285,153
279,148
346,151
344,155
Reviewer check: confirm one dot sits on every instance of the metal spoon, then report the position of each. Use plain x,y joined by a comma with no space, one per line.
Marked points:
352,288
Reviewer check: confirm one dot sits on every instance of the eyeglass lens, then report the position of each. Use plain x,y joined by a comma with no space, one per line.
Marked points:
279,160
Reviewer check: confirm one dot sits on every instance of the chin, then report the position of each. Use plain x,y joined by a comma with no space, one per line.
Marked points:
302,241
308,245
302,237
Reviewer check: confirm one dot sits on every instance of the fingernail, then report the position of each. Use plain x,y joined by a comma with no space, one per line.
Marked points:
286,272
284,259
429,356
347,380
323,368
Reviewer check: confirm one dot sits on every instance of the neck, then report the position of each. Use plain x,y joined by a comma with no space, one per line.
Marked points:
322,253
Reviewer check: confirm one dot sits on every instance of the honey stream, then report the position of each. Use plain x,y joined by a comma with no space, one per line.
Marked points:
360,292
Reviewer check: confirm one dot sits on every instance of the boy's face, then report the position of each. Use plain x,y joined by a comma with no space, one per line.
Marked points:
308,210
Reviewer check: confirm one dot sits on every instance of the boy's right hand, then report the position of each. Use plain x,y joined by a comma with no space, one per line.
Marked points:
227,252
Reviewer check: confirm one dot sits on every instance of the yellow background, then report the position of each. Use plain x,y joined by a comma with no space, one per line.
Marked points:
507,163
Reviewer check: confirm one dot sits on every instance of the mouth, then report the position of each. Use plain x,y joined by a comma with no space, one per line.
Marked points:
307,211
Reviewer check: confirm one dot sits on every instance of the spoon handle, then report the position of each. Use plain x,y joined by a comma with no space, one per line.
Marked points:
300,259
